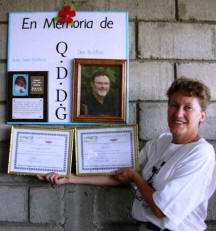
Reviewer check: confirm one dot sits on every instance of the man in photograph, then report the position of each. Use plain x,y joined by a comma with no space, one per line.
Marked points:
98,102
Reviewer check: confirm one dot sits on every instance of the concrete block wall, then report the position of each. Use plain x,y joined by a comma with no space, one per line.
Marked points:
168,39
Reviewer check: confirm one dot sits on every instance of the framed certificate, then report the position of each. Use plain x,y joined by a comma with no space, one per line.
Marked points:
40,151
102,150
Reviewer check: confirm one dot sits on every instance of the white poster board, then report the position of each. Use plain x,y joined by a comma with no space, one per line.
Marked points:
38,43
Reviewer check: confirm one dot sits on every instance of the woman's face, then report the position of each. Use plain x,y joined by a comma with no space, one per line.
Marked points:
184,117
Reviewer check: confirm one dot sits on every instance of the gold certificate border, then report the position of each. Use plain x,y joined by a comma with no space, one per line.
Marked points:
70,150
136,143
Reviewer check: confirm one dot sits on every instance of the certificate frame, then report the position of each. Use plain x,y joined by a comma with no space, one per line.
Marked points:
92,141
36,150
114,103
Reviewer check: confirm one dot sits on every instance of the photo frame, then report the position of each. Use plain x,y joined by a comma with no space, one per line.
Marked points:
23,80
100,91
40,151
27,96
104,149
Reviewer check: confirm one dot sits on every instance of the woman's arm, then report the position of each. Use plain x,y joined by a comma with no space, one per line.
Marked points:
127,175
55,178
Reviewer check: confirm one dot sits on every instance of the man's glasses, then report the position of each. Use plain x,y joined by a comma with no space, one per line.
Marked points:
102,83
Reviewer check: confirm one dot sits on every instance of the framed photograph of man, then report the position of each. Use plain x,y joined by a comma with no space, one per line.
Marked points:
100,91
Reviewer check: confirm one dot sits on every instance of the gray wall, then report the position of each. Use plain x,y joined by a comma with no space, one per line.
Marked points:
168,39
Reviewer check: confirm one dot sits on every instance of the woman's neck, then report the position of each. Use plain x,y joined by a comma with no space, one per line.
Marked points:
185,140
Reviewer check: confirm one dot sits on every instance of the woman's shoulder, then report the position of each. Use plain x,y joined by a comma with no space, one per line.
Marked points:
201,150
204,145
201,144
158,142
163,138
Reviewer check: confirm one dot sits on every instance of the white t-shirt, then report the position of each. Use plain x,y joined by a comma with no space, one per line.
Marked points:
19,89
182,186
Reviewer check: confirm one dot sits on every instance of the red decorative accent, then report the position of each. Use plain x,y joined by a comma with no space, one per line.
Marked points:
66,15
113,139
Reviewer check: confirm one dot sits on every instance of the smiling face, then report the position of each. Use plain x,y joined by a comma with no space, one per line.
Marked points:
100,85
184,117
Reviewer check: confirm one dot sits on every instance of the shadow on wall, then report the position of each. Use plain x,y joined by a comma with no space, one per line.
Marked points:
4,155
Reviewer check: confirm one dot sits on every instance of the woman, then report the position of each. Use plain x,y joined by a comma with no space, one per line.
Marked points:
177,169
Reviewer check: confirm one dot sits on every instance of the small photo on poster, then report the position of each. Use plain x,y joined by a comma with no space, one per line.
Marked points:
20,85
27,96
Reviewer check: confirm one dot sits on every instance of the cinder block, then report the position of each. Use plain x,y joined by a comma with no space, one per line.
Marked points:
211,208
211,227
2,113
150,80
4,129
3,41
207,126
16,180
79,208
145,9
153,120
117,227
113,205
202,10
204,72
132,40
3,78
92,5
176,40
19,227
4,154
133,113
49,5
14,203
28,5
47,205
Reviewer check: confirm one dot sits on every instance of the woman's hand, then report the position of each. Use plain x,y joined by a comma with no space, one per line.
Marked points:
124,175
53,178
